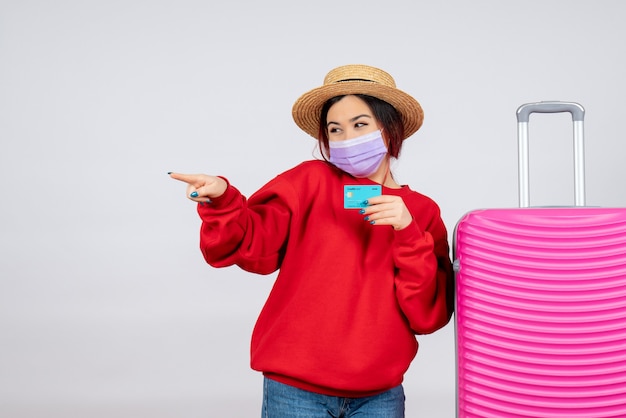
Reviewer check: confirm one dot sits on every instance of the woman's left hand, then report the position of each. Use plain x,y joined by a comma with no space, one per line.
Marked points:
387,210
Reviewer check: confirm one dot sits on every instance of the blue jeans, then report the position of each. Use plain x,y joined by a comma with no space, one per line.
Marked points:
284,401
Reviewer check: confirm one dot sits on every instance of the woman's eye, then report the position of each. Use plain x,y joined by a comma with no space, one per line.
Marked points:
360,124
333,130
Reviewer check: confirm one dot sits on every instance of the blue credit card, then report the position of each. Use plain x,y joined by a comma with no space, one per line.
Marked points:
354,197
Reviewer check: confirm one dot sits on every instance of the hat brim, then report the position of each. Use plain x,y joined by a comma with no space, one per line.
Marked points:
307,109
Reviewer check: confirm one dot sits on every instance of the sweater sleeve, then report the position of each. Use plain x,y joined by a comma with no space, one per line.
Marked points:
250,233
424,276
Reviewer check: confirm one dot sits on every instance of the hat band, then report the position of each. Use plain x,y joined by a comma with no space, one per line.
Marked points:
355,79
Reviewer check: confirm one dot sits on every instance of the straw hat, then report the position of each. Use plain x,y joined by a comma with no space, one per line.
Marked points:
356,79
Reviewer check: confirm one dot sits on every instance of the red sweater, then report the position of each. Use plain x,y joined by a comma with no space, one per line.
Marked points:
349,298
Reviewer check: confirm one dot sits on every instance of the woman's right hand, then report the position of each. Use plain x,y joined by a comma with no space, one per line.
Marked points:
201,187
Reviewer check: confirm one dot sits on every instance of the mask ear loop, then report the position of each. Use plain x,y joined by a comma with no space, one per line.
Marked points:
387,159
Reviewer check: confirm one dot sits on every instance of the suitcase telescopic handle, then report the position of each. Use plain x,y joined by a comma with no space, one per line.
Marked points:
578,116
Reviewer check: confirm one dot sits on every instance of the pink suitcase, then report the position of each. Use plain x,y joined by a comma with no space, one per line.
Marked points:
540,316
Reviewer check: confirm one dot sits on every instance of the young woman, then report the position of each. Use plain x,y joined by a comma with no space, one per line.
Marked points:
355,285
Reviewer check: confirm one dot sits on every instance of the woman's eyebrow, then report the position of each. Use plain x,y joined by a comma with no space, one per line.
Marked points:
360,116
354,119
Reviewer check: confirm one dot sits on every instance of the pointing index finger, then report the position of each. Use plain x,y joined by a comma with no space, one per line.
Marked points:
187,178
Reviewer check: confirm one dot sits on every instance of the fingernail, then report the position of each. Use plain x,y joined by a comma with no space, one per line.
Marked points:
367,218
169,172
365,203
372,222
194,194
362,211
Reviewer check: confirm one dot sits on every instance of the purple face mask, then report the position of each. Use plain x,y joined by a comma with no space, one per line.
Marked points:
359,156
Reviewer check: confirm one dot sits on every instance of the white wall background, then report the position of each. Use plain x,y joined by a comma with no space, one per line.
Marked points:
106,306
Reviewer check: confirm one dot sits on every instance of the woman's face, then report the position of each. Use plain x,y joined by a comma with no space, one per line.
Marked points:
348,118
